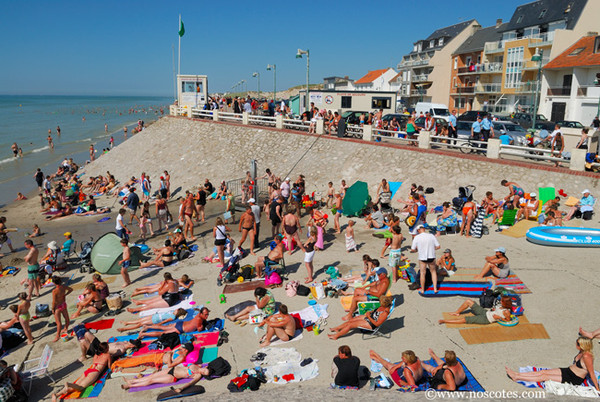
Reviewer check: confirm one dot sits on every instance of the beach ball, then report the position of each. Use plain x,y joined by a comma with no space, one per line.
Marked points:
240,279
410,221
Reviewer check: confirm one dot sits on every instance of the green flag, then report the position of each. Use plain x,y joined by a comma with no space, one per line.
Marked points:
181,29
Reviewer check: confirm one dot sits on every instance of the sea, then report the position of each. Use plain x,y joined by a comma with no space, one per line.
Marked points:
26,119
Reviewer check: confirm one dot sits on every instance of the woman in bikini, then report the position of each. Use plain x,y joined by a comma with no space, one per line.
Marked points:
160,360
90,300
448,375
292,228
468,214
576,373
101,286
146,221
24,316
221,236
168,296
162,211
164,256
100,362
309,254
167,177
59,305
370,320
515,192
406,373
168,376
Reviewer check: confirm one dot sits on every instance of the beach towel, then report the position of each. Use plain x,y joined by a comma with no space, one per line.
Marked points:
291,372
184,304
204,339
217,327
10,271
243,287
477,224
103,219
309,315
527,369
453,288
155,267
447,316
93,391
498,333
520,228
101,324
394,187
512,282
297,336
470,384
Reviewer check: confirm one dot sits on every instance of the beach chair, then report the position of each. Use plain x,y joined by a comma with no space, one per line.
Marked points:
71,252
544,195
37,368
375,333
508,217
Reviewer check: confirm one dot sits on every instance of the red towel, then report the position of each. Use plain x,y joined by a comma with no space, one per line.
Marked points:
102,324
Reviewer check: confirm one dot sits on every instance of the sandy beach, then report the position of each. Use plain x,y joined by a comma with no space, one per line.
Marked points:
564,281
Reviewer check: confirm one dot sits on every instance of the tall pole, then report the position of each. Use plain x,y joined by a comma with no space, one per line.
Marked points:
174,76
307,79
274,83
179,57
537,88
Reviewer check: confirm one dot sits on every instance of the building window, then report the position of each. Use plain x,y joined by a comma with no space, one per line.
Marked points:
414,48
459,103
431,43
191,86
468,61
514,65
479,59
346,102
577,51
455,63
454,82
520,19
381,102
597,45
440,41
543,13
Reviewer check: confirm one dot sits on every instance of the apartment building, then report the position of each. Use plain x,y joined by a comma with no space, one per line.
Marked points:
423,73
571,82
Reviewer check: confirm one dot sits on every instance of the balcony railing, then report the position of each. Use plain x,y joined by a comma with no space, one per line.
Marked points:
542,39
488,88
559,91
463,90
481,68
494,47
534,65
418,92
421,77
525,87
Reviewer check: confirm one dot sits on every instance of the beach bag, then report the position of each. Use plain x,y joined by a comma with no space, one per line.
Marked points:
170,340
291,288
302,290
183,254
219,367
273,279
247,272
487,298
255,317
42,310
318,291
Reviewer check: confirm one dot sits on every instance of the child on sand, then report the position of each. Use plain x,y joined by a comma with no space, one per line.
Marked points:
146,221
24,316
330,192
59,306
36,231
350,243
125,263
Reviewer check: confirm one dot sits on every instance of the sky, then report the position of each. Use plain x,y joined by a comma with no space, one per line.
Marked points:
125,47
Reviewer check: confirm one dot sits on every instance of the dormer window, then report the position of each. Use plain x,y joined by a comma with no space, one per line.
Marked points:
414,48
597,45
543,13
431,43
520,19
440,41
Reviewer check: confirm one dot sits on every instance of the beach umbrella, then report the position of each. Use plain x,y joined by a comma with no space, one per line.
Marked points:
356,199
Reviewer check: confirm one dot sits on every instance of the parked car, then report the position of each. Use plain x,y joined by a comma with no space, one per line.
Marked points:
471,115
400,118
541,122
570,124
353,117
515,131
439,123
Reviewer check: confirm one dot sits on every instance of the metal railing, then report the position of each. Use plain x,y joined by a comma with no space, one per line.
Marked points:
463,90
226,116
493,47
396,136
261,120
531,153
488,88
481,68
235,186
559,91
421,77
465,145
296,124
202,114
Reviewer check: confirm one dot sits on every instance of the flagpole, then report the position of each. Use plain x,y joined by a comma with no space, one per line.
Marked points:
179,56
174,77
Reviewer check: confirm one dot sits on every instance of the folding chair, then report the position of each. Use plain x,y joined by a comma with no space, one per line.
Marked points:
375,333
37,368
508,217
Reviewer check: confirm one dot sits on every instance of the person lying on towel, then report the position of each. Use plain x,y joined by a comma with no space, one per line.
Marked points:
482,315
90,376
281,325
370,320
168,296
159,360
447,376
374,291
196,324
89,344
168,376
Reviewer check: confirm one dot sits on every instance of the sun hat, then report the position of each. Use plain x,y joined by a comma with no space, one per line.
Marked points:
447,250
532,194
251,201
585,191
381,270
53,245
67,234
501,250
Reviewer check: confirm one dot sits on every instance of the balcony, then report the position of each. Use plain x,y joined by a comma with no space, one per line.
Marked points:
463,90
589,91
541,39
485,68
559,91
418,92
421,78
494,47
525,87
488,88
534,65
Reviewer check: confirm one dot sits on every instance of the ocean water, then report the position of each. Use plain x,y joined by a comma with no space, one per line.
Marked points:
27,119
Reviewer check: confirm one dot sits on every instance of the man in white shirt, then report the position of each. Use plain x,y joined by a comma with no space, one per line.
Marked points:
256,211
425,244
285,189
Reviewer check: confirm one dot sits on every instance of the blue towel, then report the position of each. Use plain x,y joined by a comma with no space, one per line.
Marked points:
471,383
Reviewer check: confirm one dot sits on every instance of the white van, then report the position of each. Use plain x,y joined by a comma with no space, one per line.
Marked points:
437,110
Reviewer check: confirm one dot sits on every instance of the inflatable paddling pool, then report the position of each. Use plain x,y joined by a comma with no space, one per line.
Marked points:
564,236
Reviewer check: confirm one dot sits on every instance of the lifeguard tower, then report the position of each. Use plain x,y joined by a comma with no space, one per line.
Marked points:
192,91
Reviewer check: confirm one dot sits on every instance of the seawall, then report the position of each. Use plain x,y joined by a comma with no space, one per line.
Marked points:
194,150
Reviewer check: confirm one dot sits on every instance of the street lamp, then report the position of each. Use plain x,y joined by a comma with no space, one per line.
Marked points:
257,75
299,56
243,82
537,57
274,68
597,83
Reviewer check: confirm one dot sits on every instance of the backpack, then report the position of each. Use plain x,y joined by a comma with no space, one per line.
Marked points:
170,340
291,288
219,368
487,298
247,272
183,254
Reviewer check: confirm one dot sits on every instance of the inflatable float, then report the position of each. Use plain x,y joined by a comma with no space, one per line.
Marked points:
564,236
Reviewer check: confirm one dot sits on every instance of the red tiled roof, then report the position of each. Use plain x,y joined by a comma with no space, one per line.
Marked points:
586,57
371,76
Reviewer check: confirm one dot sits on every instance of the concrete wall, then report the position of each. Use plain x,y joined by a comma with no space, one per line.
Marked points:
197,150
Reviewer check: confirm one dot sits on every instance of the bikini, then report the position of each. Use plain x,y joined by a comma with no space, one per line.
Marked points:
375,316
171,298
290,230
438,377
61,306
569,377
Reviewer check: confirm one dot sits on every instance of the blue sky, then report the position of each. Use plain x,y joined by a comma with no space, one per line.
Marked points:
125,47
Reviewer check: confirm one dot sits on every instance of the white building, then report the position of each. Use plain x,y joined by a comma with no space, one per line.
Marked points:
377,80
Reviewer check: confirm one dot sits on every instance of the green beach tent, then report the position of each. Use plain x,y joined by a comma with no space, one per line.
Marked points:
107,252
356,199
